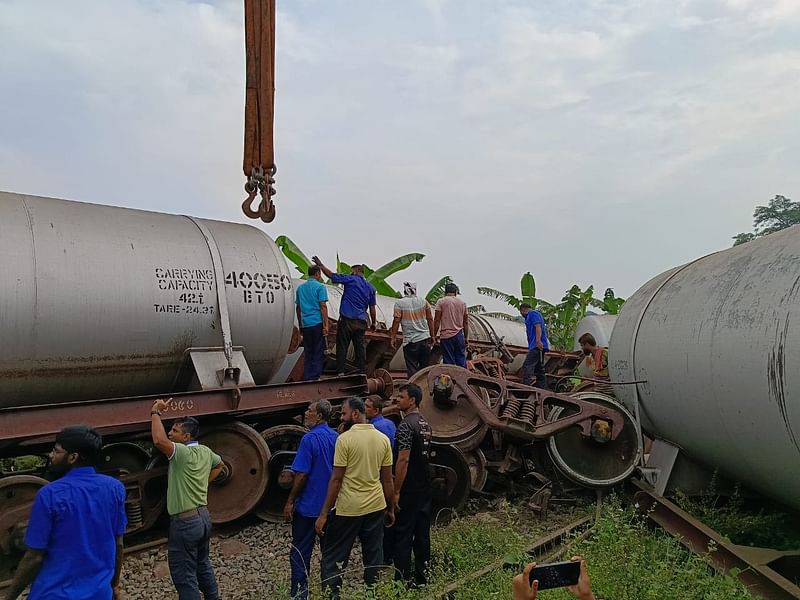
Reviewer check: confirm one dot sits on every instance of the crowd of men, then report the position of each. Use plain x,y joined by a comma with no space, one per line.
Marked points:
446,325
369,480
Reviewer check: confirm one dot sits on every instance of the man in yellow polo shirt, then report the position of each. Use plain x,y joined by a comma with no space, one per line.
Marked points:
362,490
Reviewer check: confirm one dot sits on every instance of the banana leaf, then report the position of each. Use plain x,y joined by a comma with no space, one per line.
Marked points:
393,266
437,291
294,254
528,288
507,298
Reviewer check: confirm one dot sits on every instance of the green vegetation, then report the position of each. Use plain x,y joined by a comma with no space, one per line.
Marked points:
562,318
21,464
779,213
627,560
742,523
377,277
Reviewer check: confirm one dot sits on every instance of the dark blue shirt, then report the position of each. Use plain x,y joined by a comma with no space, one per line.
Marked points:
385,426
533,318
357,297
314,458
76,521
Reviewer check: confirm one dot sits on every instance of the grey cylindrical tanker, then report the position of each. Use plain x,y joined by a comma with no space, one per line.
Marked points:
718,343
102,302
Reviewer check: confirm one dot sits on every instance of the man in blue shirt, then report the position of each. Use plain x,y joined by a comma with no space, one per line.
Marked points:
313,465
312,318
74,535
537,346
374,407
358,296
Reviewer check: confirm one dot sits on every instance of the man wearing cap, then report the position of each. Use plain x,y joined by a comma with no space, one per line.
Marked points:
74,534
451,327
357,298
417,321
191,467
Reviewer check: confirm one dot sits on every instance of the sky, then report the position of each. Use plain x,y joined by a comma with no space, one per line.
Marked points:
591,142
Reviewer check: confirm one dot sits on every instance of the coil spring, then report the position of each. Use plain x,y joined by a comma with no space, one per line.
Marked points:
512,408
528,412
134,511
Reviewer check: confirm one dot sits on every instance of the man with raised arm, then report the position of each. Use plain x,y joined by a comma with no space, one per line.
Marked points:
191,467
357,298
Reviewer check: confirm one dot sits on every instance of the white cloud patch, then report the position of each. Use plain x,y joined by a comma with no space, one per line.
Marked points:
497,137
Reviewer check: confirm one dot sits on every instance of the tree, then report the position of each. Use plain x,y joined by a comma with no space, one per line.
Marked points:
527,286
779,213
610,304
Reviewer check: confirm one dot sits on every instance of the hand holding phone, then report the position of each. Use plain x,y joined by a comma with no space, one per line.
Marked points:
555,575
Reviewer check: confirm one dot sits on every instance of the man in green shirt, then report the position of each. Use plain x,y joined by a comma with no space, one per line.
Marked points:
191,467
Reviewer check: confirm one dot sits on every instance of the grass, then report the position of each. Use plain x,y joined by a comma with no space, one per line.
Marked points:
627,560
742,522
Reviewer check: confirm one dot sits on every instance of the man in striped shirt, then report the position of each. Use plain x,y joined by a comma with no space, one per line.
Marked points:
417,320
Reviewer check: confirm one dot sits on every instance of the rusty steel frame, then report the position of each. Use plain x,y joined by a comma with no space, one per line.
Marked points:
760,579
465,382
28,425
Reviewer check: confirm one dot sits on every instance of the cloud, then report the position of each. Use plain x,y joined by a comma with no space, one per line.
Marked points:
496,137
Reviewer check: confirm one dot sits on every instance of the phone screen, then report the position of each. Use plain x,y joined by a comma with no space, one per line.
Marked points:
555,575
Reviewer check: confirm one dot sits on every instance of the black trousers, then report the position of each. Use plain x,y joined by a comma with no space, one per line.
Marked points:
413,532
350,330
338,541
189,564
417,355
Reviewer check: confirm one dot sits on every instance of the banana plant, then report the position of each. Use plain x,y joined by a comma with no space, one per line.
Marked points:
292,252
377,277
610,304
437,291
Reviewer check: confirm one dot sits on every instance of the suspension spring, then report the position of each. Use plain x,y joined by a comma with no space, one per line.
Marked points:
528,412
134,511
511,409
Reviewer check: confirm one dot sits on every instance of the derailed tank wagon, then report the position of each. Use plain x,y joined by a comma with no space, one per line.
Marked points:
104,309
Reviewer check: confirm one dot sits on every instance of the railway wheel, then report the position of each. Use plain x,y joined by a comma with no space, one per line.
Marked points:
451,479
283,441
593,463
476,461
16,499
244,478
124,457
459,424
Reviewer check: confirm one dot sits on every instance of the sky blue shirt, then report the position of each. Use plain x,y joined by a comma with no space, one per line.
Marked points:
534,317
357,297
314,458
76,520
308,296
385,426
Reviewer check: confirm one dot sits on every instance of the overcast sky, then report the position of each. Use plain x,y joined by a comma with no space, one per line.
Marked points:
586,141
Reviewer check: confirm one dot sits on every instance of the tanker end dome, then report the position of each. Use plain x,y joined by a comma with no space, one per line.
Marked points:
717,342
103,302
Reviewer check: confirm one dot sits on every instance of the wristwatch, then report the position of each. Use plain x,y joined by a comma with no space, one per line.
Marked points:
155,412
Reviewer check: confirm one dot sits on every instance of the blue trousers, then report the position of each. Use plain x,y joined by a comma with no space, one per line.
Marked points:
303,536
454,350
313,352
189,564
534,364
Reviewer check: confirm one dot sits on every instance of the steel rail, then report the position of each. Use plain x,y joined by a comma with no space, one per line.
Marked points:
749,564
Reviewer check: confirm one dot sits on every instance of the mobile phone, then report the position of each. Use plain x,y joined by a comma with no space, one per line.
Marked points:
555,575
